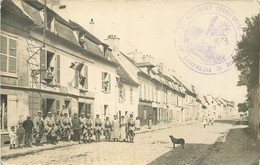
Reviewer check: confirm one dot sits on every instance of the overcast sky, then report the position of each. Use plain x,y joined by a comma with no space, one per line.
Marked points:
149,27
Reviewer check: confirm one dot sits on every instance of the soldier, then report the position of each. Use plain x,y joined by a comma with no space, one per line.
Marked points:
49,126
82,123
28,125
131,128
107,128
38,128
57,126
98,127
65,125
76,127
88,126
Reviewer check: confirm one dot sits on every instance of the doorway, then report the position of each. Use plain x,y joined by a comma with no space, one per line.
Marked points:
3,112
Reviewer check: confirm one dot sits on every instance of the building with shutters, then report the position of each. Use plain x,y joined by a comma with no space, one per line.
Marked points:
71,69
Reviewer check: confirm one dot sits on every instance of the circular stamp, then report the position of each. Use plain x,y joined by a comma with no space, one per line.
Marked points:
206,38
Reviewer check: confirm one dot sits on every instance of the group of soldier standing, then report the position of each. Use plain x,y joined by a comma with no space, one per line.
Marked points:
59,126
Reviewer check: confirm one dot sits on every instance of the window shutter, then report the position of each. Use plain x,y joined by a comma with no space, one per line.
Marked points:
12,47
76,78
12,65
43,63
86,75
3,63
103,80
58,69
109,79
3,45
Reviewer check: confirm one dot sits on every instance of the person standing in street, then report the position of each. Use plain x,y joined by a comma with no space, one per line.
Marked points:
57,126
49,126
88,126
107,128
131,128
76,127
38,128
64,110
123,128
115,129
65,125
28,126
12,136
98,128
82,124
20,134
204,122
150,121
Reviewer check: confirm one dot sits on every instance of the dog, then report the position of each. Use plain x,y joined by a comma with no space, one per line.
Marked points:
177,141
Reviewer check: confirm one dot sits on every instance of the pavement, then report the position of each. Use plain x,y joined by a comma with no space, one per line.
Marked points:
217,144
6,153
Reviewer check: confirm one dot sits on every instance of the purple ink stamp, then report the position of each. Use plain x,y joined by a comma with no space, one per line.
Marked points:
206,38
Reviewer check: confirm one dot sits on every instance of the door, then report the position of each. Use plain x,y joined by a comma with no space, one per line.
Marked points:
154,115
49,106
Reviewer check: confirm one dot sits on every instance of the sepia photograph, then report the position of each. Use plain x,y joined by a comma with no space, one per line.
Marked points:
130,82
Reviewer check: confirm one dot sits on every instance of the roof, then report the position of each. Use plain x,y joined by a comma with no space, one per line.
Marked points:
124,75
88,35
144,64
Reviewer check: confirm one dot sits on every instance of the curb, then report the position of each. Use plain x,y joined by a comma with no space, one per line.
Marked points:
8,156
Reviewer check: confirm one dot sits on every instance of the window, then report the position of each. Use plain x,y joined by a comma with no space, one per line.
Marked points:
106,82
131,95
121,93
49,65
83,77
8,55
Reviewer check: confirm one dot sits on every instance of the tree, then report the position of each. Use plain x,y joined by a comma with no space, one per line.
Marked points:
247,54
242,107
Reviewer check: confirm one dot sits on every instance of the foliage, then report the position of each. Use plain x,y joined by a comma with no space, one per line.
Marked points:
242,107
247,54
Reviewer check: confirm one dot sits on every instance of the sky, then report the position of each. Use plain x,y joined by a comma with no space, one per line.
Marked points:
149,27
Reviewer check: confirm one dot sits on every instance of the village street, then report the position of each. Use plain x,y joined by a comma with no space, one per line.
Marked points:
148,148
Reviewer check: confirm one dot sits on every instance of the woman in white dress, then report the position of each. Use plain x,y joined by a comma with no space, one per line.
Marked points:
123,127
116,128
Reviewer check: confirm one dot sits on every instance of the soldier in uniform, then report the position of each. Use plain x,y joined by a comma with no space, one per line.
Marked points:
88,126
38,128
82,123
65,126
107,128
49,126
98,127
57,126
131,128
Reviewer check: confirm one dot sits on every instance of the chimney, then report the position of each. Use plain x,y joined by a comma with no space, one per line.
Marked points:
92,26
148,58
135,55
113,41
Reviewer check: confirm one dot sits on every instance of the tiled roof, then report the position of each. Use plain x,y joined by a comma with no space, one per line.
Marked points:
121,71
89,36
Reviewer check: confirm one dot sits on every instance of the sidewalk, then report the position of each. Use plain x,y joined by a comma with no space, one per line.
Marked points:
239,148
6,153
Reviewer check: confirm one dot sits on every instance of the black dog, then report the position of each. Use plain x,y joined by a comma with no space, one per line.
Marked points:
177,141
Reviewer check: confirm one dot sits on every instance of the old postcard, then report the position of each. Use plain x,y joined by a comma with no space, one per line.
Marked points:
130,82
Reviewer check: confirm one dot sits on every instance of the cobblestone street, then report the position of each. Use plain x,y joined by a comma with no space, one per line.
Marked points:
151,147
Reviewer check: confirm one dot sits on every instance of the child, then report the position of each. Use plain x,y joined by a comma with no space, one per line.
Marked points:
12,136
20,134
